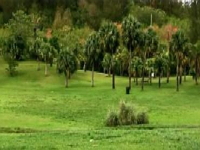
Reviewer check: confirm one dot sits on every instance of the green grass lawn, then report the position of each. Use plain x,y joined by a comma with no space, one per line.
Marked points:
37,112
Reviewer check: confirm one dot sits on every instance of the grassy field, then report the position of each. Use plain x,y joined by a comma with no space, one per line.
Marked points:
37,112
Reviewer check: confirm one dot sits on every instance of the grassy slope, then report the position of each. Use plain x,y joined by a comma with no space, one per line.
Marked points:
37,112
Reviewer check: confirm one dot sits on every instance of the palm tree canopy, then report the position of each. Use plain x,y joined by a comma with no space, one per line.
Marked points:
47,50
178,41
109,37
130,32
92,47
107,60
67,60
137,63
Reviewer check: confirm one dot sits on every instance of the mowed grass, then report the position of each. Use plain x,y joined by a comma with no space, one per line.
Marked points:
37,112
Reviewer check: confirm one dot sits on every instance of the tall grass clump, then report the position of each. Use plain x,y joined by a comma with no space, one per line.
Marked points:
127,115
112,119
142,118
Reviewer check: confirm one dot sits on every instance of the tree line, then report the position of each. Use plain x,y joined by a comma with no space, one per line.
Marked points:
92,12
128,49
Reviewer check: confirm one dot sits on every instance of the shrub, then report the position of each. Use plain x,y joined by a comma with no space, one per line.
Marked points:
12,64
142,118
126,114
112,119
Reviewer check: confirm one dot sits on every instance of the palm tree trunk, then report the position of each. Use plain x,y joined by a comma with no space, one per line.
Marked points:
109,71
66,78
180,74
113,78
46,69
130,70
84,66
168,75
150,78
136,76
196,71
93,75
69,74
121,74
177,75
38,69
51,62
159,80
142,78
185,74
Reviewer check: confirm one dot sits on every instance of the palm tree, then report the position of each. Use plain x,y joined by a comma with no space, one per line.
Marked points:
107,61
9,51
195,59
37,45
186,58
67,63
122,57
47,51
130,37
143,45
92,51
137,65
150,65
160,64
110,42
148,45
178,43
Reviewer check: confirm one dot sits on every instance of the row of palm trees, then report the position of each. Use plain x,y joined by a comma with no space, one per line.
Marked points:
127,47
136,49
66,58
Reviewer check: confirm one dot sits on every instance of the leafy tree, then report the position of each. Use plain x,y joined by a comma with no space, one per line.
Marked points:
137,65
177,44
160,64
54,41
110,41
74,39
110,7
194,20
148,43
10,51
195,59
107,61
148,15
122,57
47,52
130,36
143,47
35,49
150,66
67,63
92,51
21,28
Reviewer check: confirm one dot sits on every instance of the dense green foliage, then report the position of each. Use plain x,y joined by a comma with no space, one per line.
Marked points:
150,41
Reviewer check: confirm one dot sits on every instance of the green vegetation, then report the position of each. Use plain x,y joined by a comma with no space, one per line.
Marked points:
38,113
142,44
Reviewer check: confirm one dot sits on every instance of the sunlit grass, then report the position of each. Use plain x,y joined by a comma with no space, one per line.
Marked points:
63,118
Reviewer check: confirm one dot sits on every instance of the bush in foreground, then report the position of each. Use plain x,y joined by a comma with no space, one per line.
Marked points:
127,115
142,118
112,119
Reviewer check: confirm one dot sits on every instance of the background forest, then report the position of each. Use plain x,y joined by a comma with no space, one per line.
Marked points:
79,13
